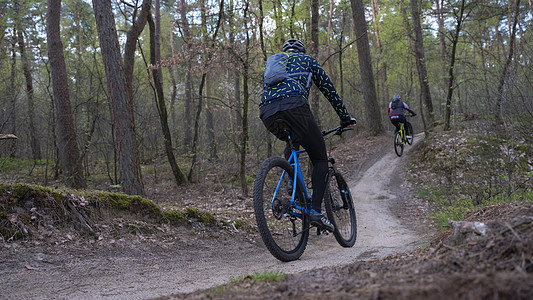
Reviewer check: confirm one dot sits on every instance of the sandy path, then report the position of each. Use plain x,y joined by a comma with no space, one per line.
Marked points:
148,275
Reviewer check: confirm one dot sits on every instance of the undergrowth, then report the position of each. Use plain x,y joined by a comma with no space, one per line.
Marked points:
265,276
26,210
472,166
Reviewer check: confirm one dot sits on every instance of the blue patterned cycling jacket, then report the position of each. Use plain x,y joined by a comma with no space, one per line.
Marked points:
296,88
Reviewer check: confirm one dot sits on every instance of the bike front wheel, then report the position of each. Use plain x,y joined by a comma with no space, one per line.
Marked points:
398,144
340,209
409,133
284,229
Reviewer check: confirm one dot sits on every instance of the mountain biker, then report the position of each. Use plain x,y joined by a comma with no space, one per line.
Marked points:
395,112
287,100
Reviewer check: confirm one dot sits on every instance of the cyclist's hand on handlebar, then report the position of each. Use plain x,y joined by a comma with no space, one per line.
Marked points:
349,123
413,114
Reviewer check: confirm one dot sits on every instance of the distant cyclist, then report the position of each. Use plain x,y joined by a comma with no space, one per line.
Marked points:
395,112
287,80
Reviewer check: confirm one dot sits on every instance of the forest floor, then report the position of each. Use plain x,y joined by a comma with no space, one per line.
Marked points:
398,254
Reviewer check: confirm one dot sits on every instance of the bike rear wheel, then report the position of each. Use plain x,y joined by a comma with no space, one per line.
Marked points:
340,209
409,136
398,145
284,229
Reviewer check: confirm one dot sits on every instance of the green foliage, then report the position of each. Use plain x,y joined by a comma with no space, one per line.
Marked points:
264,276
469,168
174,216
15,164
183,216
20,191
134,204
452,212
194,213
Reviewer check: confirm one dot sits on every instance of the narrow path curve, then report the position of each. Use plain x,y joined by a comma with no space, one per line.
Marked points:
133,275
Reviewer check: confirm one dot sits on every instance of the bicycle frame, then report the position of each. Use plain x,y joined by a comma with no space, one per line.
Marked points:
402,132
298,177
282,211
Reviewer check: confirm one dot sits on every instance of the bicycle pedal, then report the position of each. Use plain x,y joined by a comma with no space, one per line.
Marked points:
322,231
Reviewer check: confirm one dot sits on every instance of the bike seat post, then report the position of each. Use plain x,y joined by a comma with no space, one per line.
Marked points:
284,127
289,142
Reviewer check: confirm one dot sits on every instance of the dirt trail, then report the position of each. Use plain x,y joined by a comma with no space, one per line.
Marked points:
146,271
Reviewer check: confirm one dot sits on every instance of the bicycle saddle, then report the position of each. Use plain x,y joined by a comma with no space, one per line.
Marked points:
283,129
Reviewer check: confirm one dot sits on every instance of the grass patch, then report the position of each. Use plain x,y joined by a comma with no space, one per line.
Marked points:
265,276
16,164
183,216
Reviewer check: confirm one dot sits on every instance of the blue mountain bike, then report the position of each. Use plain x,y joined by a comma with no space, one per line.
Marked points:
282,207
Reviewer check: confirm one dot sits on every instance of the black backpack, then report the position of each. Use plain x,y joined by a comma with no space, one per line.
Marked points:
394,104
276,70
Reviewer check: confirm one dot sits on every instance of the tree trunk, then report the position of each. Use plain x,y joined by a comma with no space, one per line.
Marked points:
210,124
66,134
208,114
187,140
267,135
425,94
157,74
196,129
131,41
498,112
382,65
365,67
442,46
313,49
451,78
201,99
173,96
236,124
130,176
13,95
26,67
246,96
278,19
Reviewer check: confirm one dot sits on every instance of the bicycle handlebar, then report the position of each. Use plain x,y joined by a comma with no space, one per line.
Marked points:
338,130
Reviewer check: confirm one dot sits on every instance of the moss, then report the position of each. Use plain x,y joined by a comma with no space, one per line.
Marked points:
204,217
134,204
19,198
191,213
10,234
207,218
20,191
175,216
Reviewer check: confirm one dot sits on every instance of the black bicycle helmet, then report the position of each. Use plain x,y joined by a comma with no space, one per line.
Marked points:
293,45
396,97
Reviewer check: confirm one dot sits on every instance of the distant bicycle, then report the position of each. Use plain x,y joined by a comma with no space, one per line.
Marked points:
282,207
404,135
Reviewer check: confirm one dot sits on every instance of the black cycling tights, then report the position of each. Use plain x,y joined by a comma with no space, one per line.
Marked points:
306,133
396,121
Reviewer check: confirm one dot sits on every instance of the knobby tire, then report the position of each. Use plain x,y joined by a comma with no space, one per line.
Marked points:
284,239
409,133
398,145
340,209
